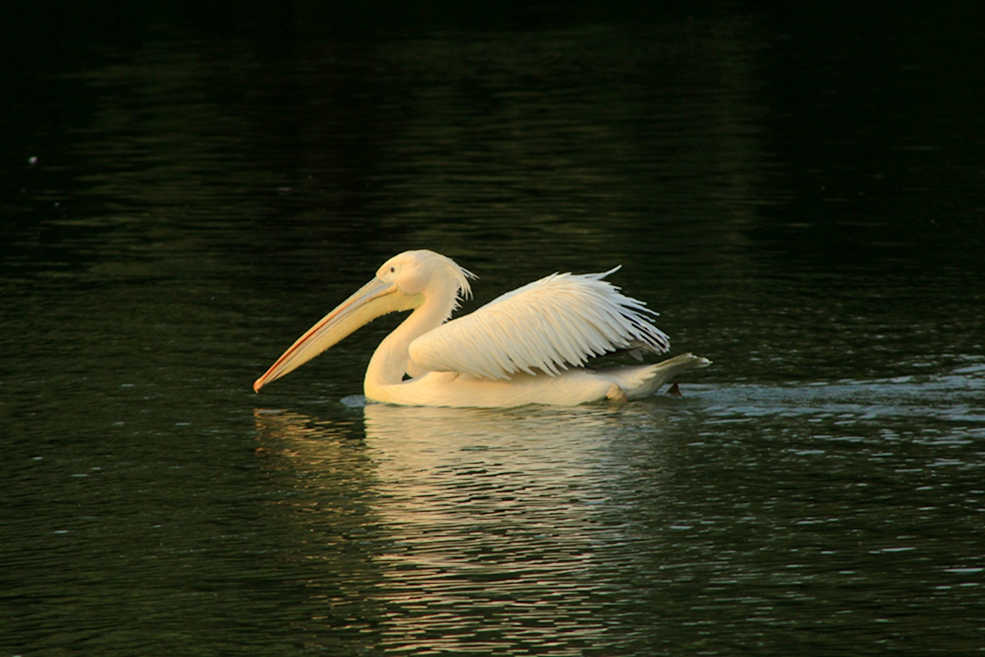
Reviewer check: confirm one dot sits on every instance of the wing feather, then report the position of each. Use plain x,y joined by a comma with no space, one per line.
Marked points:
554,323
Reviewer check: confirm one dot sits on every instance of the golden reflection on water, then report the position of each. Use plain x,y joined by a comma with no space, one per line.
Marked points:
492,524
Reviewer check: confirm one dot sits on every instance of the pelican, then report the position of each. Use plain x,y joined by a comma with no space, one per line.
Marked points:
528,346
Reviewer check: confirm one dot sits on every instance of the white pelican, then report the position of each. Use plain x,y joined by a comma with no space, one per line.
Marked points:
528,346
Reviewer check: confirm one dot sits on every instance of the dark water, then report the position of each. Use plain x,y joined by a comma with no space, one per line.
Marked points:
800,194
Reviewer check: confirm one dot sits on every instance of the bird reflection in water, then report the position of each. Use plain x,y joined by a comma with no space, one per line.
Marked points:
490,529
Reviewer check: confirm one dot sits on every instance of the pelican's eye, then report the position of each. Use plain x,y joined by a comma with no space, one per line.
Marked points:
393,270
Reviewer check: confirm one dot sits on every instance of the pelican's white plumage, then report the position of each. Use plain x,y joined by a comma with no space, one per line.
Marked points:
527,346
548,325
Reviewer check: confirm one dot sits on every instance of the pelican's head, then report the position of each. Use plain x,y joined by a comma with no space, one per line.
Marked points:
402,283
425,273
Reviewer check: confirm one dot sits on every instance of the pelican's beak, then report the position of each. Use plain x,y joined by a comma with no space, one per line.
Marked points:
376,298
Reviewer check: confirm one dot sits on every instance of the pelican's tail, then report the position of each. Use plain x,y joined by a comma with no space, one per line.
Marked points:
638,381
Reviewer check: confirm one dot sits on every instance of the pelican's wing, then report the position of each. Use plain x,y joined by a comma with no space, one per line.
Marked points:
558,321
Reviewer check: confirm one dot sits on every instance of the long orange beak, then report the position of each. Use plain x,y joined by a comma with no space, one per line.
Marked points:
374,299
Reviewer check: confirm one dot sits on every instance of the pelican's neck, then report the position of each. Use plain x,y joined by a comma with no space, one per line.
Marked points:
390,360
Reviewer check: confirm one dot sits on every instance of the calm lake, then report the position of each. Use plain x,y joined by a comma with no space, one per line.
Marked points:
800,194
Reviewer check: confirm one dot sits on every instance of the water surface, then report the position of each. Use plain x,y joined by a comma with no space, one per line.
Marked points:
799,198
